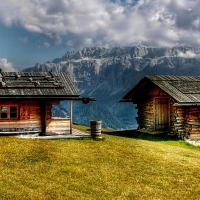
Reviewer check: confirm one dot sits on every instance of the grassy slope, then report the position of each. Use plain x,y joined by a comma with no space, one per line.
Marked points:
116,168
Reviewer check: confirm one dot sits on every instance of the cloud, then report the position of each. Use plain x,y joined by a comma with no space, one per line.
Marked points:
47,45
24,39
44,45
188,54
104,22
6,66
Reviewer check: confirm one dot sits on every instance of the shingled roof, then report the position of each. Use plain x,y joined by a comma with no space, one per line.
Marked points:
184,89
54,85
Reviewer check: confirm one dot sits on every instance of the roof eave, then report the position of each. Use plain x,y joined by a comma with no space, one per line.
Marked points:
138,86
50,97
125,100
187,104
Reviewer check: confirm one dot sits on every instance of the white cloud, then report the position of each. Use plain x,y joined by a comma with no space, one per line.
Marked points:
188,54
6,66
24,39
47,45
44,45
102,22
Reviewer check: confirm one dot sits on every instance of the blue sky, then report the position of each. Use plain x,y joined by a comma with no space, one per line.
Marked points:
33,31
24,49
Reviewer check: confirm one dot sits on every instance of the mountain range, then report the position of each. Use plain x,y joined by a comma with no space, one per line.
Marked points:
109,73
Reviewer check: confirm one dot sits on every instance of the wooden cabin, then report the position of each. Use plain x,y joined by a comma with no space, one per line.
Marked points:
168,104
26,100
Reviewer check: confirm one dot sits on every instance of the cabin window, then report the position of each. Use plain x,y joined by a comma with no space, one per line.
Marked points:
4,111
8,112
13,111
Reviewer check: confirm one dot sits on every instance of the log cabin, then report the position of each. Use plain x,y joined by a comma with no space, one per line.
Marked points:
26,100
168,104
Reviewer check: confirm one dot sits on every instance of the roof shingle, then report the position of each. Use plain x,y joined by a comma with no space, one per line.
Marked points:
37,85
184,89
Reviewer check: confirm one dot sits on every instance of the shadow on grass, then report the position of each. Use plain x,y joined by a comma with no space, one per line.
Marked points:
139,135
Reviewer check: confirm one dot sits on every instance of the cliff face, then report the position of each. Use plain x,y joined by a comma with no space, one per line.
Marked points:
108,74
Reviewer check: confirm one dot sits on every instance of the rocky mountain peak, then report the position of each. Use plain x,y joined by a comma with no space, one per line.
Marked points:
108,74
86,52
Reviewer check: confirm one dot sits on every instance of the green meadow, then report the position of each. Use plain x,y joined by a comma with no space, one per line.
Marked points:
123,165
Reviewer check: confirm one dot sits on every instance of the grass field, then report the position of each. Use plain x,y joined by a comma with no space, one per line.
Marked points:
124,165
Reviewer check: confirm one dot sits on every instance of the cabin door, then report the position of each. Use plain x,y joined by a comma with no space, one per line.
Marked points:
161,114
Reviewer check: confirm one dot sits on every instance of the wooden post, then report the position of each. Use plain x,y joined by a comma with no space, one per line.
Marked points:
44,116
71,115
154,115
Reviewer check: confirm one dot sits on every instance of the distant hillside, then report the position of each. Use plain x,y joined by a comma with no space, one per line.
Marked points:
107,74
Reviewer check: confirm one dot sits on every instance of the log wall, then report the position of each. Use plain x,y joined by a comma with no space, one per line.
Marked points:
30,117
58,125
177,120
33,116
146,108
145,113
184,121
192,125
55,125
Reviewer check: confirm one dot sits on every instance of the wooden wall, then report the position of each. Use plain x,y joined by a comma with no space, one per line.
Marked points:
145,113
192,125
146,109
184,121
30,117
58,125
177,118
33,116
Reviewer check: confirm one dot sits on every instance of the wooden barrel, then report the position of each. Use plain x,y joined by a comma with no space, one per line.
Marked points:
95,127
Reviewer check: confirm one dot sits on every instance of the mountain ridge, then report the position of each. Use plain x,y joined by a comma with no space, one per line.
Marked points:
108,74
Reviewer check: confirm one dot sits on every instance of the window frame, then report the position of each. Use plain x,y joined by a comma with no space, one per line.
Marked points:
9,112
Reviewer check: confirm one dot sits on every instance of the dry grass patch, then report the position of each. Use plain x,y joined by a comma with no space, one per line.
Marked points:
116,168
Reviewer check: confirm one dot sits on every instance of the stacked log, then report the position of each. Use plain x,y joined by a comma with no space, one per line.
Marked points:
193,121
177,119
145,113
58,125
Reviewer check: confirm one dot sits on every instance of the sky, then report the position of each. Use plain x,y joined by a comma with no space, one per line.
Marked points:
36,31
